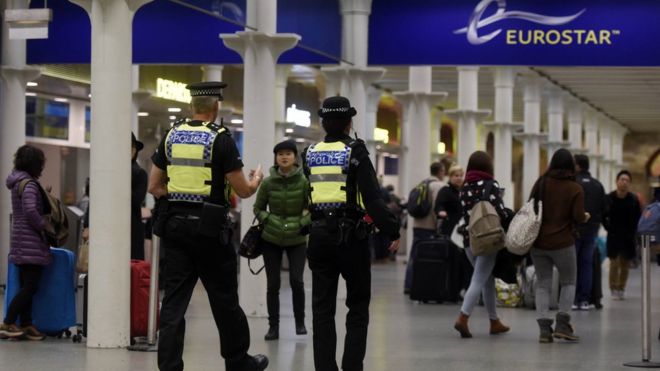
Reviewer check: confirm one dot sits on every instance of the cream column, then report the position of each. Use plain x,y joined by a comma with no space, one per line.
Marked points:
437,114
532,135
139,97
213,72
575,120
555,121
591,143
15,74
281,82
618,133
260,50
373,98
468,113
605,150
504,127
110,171
415,158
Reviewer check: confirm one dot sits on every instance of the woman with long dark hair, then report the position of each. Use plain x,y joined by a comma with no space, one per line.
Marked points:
478,180
563,208
29,250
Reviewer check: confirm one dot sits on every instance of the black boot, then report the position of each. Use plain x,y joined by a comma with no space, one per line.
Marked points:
273,333
260,362
564,329
300,327
545,327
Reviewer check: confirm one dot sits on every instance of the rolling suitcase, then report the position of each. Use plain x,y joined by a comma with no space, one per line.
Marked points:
435,274
140,281
54,304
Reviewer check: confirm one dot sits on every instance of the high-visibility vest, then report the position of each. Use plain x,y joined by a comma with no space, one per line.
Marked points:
327,170
189,151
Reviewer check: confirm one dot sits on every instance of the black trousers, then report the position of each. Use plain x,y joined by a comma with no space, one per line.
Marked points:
329,256
21,304
190,256
273,261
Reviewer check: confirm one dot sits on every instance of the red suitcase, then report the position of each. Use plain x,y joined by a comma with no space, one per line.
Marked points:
140,280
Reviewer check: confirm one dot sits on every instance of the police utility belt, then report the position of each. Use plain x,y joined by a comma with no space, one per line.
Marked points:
345,221
211,219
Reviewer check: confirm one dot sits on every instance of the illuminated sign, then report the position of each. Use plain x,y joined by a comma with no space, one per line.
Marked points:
172,90
442,148
381,135
300,117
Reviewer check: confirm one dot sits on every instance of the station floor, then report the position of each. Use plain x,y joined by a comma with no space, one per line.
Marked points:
402,336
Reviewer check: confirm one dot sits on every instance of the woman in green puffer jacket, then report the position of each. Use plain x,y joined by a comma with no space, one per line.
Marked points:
282,206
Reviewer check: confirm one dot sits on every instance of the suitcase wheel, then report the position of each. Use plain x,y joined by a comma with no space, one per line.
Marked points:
77,338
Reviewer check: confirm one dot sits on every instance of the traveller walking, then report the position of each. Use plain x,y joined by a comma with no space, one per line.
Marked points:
563,207
621,225
281,204
595,203
29,250
195,166
343,189
480,185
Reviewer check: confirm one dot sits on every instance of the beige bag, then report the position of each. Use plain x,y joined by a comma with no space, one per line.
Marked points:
485,229
82,266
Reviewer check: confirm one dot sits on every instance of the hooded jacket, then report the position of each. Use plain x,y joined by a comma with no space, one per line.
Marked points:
280,204
28,245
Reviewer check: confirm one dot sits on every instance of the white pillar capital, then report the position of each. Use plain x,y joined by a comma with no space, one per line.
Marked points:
243,42
355,7
140,96
22,73
133,5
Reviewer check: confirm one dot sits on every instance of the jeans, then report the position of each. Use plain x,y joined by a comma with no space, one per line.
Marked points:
418,234
329,256
21,304
565,261
273,261
585,247
190,256
481,284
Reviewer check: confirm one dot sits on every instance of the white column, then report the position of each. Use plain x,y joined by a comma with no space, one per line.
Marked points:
415,158
532,136
504,128
355,31
618,133
373,98
591,143
260,50
436,129
468,113
555,121
110,171
575,119
213,72
15,74
605,150
281,82
139,97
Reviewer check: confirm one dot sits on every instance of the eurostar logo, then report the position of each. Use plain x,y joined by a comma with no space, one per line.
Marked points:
476,22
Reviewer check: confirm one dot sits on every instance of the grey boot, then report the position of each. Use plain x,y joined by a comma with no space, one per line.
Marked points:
545,327
563,329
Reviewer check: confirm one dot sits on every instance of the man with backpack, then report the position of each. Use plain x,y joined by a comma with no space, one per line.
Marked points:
420,207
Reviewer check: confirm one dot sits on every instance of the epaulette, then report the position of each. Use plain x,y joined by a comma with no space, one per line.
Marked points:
179,122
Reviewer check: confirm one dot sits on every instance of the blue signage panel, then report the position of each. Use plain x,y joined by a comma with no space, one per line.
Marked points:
165,32
515,32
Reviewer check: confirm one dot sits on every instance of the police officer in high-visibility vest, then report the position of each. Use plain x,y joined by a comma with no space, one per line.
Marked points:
195,167
344,189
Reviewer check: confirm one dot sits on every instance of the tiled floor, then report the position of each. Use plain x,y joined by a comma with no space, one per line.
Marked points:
402,336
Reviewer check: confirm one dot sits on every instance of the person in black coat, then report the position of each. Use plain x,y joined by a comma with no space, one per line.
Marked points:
448,203
621,225
138,192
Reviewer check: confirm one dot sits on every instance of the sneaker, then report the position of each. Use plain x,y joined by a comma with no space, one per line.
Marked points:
11,331
31,333
575,307
585,306
615,295
621,296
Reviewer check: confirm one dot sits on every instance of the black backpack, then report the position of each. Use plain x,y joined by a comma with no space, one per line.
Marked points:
419,200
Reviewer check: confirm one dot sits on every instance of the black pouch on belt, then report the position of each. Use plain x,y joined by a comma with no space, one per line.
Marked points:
331,221
160,216
213,220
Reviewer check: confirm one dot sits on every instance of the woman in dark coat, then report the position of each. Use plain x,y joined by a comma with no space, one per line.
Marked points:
29,250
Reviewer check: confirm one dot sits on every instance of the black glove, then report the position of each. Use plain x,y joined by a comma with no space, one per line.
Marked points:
304,230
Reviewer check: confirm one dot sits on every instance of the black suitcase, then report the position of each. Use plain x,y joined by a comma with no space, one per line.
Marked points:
435,271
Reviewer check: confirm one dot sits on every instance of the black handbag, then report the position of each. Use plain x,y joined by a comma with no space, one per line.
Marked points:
252,245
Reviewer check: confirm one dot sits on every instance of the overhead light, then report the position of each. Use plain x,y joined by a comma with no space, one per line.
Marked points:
143,114
172,117
236,121
63,100
30,94
174,109
28,23
381,135
441,148
300,140
239,129
32,84
288,131
89,95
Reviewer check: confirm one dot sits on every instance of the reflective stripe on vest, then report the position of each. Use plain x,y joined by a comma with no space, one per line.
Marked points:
189,151
328,165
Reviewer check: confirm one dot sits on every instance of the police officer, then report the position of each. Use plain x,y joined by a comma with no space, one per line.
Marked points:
195,167
344,189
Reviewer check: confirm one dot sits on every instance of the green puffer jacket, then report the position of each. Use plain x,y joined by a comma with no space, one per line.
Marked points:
287,200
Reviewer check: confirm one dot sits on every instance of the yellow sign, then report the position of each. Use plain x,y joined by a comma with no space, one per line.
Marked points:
172,90
381,135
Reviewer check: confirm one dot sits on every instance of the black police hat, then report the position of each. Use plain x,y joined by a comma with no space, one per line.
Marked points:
337,107
136,143
207,89
286,145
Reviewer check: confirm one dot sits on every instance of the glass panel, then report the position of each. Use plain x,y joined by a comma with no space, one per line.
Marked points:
46,118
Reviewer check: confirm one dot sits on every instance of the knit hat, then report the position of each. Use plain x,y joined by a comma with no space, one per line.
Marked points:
286,145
